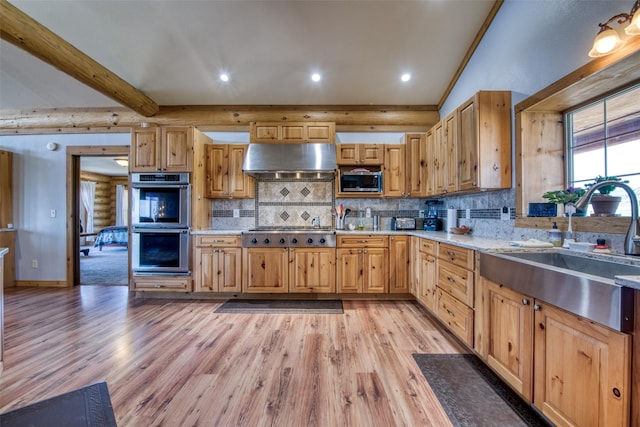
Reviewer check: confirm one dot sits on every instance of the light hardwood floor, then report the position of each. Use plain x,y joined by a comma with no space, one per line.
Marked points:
177,363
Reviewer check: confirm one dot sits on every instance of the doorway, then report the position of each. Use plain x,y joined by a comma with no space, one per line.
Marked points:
97,229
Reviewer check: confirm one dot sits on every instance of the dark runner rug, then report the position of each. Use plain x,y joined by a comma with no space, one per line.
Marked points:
281,306
472,395
86,407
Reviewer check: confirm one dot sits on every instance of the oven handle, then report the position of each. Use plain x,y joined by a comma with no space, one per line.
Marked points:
160,230
164,185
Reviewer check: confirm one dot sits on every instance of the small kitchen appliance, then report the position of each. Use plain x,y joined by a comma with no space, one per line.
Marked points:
431,222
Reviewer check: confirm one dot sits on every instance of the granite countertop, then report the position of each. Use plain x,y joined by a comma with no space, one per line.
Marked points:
629,281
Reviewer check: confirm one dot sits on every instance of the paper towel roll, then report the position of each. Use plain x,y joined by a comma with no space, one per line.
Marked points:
452,218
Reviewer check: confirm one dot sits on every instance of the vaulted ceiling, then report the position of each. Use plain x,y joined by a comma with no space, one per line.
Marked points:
174,51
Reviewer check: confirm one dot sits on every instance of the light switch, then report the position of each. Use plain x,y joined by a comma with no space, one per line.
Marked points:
236,213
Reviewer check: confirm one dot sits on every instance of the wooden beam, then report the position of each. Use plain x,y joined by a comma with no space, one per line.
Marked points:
208,118
21,30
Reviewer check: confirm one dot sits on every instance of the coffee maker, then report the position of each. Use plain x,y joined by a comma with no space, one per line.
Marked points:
432,222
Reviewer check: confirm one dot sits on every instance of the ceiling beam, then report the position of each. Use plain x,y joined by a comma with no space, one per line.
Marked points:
23,31
374,118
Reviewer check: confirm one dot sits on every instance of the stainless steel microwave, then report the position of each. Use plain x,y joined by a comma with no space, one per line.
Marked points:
357,181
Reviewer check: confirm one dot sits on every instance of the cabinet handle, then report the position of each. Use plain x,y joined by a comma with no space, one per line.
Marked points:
451,313
159,286
362,241
495,167
451,254
364,251
536,307
451,279
525,301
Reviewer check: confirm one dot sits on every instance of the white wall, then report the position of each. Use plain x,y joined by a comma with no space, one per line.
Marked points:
531,44
39,185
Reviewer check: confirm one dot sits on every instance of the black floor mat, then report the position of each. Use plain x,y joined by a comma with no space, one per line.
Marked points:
472,395
282,306
86,407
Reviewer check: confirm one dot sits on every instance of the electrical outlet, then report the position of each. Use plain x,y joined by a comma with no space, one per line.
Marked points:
53,213
505,215
236,213
468,213
34,263
421,213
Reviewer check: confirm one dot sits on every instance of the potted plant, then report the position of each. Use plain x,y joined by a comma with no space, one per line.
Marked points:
603,203
562,197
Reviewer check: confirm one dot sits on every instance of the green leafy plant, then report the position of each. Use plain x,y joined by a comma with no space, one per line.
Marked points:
607,189
570,195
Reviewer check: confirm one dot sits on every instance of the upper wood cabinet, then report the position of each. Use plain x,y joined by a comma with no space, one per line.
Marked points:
416,166
360,154
393,175
162,149
431,163
6,208
484,142
224,175
292,132
439,152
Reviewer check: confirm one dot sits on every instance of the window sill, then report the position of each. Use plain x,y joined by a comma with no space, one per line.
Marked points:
609,225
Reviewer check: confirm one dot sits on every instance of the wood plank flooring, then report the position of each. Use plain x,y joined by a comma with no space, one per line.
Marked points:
177,363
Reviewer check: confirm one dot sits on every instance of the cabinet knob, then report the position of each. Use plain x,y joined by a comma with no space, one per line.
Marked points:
451,313
525,301
536,307
495,167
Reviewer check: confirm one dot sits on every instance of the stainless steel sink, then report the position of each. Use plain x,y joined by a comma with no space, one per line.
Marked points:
583,285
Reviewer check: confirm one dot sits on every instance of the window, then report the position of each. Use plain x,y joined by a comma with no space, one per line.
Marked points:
603,138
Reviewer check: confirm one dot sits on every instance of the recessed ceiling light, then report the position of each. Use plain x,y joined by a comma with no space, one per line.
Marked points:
316,77
224,77
405,77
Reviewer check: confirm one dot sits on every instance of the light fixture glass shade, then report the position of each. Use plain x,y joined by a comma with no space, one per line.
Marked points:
605,42
634,28
123,162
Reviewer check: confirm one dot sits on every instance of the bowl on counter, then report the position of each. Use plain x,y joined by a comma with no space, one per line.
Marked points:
582,246
459,230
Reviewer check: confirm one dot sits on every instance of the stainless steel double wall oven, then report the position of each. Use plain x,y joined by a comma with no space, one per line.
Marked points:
160,221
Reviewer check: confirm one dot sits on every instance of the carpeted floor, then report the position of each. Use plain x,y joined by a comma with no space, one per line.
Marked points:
86,407
107,267
281,306
472,395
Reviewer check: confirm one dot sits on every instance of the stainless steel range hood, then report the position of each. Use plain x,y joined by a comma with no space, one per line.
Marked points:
307,161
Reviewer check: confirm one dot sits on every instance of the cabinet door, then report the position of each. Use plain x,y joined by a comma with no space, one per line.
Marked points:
440,160
427,293
376,273
349,270
393,175
450,137
456,281
264,132
205,270
415,165
321,132
229,269
145,150
509,317
431,150
582,370
399,262
347,154
177,149
456,315
217,171
241,185
312,270
414,267
265,270
293,133
467,147
371,154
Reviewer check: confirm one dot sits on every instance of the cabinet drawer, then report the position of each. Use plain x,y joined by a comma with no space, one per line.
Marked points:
209,241
368,240
182,284
456,281
457,316
456,255
427,246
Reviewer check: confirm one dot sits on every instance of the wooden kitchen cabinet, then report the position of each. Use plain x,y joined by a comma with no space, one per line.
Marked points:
416,165
455,289
162,149
312,270
393,175
266,270
218,264
224,176
362,264
504,335
582,370
431,154
427,273
360,154
414,266
484,141
439,159
292,132
161,283
449,154
399,263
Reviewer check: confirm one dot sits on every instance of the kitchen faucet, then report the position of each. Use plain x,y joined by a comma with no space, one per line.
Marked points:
632,240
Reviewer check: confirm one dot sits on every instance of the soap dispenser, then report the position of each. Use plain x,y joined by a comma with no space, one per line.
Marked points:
555,235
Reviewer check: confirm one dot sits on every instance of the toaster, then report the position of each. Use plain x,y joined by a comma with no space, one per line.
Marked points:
405,223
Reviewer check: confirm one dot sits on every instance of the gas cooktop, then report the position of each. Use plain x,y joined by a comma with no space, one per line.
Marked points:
280,237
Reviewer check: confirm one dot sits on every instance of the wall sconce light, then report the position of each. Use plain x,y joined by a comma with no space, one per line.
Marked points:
123,162
608,40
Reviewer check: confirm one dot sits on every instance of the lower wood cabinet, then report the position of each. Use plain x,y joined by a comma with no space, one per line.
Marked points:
266,270
428,271
161,283
399,260
582,370
218,262
362,264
